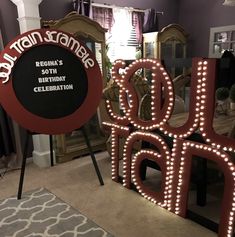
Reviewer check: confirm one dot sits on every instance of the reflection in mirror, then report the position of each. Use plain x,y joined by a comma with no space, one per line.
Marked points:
179,50
149,49
167,49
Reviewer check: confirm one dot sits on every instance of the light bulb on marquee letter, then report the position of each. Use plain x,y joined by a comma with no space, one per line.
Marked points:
172,152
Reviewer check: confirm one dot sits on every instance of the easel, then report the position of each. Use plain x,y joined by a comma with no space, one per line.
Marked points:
21,181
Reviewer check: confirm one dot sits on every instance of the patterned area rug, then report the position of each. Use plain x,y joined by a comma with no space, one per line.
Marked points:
41,214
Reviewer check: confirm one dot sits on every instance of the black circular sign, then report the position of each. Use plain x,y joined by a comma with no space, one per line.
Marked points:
49,81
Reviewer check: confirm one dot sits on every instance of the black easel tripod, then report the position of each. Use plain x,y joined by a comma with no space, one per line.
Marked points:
21,181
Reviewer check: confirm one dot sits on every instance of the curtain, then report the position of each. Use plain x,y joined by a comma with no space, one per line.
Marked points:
1,41
137,22
104,16
125,28
7,146
7,140
6,136
150,21
82,7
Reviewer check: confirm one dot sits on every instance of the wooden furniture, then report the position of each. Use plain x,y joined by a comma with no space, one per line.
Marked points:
71,145
169,45
222,124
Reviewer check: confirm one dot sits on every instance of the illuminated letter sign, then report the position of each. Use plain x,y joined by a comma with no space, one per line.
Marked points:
174,161
50,82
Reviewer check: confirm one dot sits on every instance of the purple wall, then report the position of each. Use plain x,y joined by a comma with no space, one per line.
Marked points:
63,7
197,17
8,20
53,10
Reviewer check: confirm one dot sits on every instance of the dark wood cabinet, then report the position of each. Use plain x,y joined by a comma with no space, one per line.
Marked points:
169,45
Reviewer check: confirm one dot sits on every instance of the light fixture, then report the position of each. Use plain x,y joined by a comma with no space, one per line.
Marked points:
229,3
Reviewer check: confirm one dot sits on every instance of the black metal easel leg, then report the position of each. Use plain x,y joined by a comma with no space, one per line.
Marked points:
92,156
23,166
51,150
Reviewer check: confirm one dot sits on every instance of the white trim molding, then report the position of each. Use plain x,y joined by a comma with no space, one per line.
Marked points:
28,14
29,19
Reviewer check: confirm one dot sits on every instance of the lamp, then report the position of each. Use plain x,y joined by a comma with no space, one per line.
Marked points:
229,3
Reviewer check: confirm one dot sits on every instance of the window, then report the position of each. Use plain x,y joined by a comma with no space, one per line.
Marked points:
122,40
121,37
221,39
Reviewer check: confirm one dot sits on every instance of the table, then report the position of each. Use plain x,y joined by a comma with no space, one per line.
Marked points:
222,123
